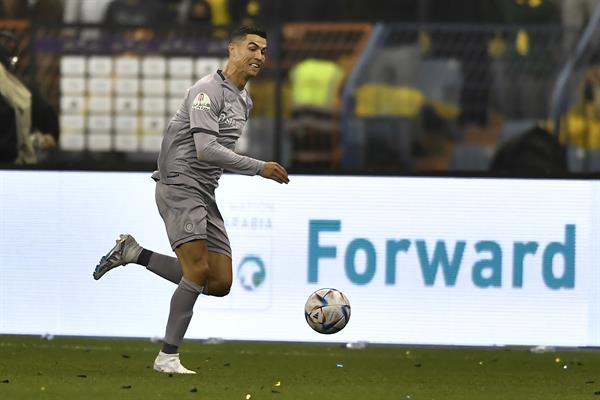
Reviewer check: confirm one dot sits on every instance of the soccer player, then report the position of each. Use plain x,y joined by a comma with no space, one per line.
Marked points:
197,146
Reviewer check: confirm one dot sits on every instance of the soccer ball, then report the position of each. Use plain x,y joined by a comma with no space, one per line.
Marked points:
327,311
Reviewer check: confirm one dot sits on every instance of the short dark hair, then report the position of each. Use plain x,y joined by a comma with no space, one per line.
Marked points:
242,31
9,49
535,152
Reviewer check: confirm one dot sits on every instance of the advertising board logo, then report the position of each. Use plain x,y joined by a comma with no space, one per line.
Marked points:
443,260
252,272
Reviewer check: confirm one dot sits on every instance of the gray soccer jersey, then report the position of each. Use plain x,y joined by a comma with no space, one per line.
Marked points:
200,138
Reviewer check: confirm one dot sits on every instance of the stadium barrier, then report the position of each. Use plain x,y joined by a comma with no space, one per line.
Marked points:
433,261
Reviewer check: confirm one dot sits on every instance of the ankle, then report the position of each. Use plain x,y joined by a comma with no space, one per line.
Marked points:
144,257
169,348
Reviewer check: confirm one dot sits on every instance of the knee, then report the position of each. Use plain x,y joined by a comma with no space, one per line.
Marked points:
220,292
219,289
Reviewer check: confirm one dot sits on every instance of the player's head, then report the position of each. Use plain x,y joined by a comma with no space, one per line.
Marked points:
247,49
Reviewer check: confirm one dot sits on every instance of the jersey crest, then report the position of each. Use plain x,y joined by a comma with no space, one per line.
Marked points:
201,102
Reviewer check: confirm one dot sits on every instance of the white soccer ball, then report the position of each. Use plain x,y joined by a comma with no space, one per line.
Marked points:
327,311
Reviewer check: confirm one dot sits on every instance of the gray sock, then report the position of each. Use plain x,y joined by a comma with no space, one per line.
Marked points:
165,267
182,308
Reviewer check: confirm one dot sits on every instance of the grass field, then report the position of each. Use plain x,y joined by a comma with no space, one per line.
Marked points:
86,368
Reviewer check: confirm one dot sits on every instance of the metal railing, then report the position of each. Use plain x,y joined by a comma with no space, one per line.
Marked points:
573,110
444,96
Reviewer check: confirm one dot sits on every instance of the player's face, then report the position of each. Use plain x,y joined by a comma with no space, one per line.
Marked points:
248,55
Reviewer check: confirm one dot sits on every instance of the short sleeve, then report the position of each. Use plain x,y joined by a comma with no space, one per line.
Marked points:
204,103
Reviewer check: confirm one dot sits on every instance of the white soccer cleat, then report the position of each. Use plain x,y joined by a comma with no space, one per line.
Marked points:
170,364
125,251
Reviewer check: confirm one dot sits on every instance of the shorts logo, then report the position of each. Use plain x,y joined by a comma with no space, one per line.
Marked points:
251,272
201,102
189,227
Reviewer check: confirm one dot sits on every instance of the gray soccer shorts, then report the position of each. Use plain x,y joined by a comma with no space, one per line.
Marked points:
189,215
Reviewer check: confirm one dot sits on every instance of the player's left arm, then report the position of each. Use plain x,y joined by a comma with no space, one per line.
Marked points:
204,104
276,172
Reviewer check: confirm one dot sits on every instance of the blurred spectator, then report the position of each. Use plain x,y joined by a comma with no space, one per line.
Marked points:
533,12
576,13
246,12
316,84
536,152
197,12
14,9
220,12
172,6
526,64
47,11
388,11
28,123
136,13
143,16
471,49
314,123
84,11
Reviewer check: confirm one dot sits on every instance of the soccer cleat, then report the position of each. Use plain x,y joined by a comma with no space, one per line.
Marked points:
170,364
125,251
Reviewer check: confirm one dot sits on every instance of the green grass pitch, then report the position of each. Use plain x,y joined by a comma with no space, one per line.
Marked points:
88,368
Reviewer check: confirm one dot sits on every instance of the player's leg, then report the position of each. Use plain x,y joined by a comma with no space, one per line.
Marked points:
193,258
219,275
206,268
218,282
184,212
206,265
219,253
125,251
128,251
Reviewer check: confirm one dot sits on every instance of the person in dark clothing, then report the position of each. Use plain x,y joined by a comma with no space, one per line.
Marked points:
14,9
470,47
198,12
28,123
136,13
536,152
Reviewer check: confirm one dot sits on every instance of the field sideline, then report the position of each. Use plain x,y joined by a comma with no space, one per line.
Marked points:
89,368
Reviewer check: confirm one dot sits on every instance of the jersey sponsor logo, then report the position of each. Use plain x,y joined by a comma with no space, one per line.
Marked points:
230,122
224,119
201,102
